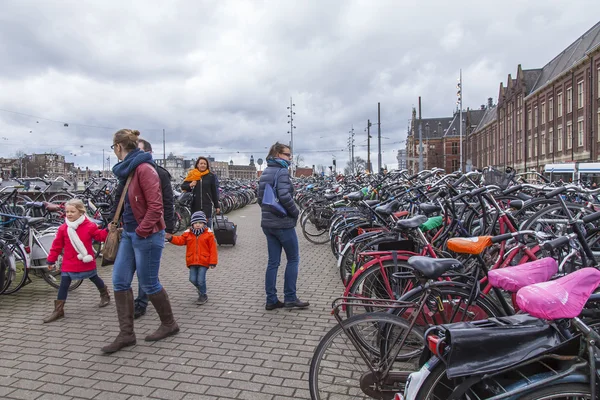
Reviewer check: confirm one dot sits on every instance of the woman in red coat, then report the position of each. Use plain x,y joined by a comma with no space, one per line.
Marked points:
74,240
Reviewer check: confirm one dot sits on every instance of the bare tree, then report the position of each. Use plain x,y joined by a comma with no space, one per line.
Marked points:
360,166
299,160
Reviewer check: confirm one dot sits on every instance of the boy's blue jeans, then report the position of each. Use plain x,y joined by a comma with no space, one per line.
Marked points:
141,255
198,278
278,239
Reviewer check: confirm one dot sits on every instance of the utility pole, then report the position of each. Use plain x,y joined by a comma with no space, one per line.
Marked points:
164,151
420,138
369,146
379,137
459,94
291,131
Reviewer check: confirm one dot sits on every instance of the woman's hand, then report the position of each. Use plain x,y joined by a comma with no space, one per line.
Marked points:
217,211
193,184
168,236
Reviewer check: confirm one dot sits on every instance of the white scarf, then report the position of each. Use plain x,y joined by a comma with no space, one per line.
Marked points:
76,242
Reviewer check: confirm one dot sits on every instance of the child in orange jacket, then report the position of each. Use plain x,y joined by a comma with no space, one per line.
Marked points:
201,252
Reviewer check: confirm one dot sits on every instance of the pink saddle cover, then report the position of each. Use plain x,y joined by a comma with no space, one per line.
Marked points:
514,278
562,298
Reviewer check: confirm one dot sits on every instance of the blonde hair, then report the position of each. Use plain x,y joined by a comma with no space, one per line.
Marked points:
77,203
128,138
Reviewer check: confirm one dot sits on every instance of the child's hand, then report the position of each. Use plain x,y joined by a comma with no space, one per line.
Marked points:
51,267
213,266
168,236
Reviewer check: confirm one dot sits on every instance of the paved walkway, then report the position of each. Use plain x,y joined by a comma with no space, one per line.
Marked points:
230,348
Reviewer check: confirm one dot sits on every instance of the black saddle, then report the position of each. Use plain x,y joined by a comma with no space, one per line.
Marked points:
102,205
388,209
433,268
371,203
355,196
429,208
411,223
330,197
516,204
35,220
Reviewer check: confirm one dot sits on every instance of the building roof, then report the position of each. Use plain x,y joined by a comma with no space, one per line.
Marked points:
569,57
491,115
433,128
530,77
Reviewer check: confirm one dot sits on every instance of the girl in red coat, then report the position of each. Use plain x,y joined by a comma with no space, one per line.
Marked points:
74,240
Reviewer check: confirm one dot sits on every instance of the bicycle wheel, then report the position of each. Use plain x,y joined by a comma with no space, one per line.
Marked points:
338,371
377,283
18,274
60,198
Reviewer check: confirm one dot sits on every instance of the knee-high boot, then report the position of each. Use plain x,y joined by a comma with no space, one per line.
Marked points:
126,336
168,326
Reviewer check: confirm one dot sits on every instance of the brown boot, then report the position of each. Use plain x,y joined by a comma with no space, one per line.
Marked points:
168,326
104,297
126,336
58,313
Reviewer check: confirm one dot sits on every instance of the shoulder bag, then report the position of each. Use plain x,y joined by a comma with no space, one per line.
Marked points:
111,245
270,200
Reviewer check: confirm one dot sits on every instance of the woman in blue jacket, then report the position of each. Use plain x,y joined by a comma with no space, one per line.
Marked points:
280,231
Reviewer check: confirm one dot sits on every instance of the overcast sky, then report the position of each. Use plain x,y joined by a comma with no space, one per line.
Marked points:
218,75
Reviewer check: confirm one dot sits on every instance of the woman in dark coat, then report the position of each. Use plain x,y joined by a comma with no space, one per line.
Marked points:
280,231
203,184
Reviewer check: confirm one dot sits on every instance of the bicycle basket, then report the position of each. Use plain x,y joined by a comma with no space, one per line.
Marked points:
499,178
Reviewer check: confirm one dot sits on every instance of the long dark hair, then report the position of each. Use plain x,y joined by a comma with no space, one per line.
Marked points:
202,158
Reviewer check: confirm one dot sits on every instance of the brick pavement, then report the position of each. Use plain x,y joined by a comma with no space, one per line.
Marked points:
230,348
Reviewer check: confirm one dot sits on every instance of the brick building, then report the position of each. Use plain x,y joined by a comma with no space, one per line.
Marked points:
546,115
441,140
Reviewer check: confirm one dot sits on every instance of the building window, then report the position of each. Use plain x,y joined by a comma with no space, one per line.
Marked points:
569,135
559,138
543,113
580,94
543,143
455,148
529,119
550,141
550,109
454,165
580,133
529,148
569,100
560,105
535,116
535,145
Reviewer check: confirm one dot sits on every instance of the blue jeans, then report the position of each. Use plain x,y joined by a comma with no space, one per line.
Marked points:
287,240
198,278
141,256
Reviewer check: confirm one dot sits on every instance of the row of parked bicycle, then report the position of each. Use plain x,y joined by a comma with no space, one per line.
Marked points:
28,224
458,286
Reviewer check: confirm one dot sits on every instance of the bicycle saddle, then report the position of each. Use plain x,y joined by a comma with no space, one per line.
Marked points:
471,245
34,204
516,204
561,298
514,278
102,205
429,209
411,223
35,220
388,209
355,196
371,203
433,268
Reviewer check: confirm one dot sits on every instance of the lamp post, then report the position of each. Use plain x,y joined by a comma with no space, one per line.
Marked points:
291,131
459,94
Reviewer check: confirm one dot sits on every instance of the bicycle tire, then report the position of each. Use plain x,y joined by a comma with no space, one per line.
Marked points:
20,276
349,384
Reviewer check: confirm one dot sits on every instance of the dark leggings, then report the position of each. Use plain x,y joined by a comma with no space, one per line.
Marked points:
65,282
